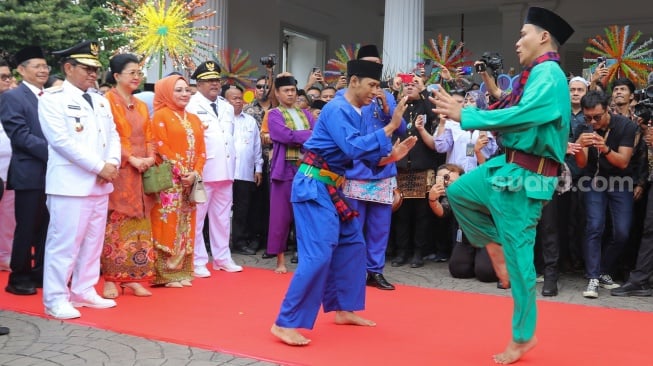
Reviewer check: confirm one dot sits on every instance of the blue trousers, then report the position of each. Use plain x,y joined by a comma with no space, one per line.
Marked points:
331,271
375,220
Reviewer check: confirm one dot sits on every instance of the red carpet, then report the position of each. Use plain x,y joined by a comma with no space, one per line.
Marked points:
232,313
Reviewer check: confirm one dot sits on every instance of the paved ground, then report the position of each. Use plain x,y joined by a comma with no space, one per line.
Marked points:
38,341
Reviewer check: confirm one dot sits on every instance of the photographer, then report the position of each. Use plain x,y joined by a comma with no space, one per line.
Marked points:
638,281
488,67
466,261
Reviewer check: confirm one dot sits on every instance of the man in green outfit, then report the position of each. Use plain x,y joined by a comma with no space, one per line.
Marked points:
499,204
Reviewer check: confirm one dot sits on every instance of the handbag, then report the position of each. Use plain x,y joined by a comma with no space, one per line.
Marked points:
197,191
415,183
158,178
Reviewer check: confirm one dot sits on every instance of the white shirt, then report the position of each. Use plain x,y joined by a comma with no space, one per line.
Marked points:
218,137
247,142
454,142
5,153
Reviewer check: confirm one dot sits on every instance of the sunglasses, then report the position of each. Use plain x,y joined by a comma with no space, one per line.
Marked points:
260,86
596,118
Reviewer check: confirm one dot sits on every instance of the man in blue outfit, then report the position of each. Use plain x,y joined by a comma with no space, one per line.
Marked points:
330,241
371,189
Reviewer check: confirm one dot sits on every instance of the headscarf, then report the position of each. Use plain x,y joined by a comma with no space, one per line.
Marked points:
479,97
163,90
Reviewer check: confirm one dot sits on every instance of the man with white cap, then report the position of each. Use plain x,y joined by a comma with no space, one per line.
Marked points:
83,160
499,204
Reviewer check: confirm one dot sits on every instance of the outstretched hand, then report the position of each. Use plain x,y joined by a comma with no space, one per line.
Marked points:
445,104
399,150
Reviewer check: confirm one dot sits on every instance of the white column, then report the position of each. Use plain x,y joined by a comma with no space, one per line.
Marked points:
403,35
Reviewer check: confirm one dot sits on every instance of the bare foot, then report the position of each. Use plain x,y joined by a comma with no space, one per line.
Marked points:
174,284
514,351
289,336
186,283
281,269
351,318
110,290
495,252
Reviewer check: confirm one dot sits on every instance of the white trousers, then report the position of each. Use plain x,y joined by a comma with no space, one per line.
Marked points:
218,208
73,247
7,225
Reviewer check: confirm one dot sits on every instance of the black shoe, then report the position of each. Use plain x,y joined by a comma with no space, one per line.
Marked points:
295,258
416,262
631,289
398,261
21,289
501,286
4,330
254,244
377,280
267,255
244,249
550,288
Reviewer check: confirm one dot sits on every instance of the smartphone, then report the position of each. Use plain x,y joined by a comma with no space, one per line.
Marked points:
406,78
315,69
432,87
466,70
428,67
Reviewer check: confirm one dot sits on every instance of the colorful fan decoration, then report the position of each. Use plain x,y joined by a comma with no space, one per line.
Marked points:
237,68
624,57
160,28
338,66
446,52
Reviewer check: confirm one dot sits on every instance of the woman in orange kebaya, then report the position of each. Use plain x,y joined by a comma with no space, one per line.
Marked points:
128,254
179,138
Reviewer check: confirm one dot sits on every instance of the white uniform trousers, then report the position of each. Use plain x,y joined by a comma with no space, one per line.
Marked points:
73,247
7,226
218,207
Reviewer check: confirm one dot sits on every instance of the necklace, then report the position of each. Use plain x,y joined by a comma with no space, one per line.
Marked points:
179,117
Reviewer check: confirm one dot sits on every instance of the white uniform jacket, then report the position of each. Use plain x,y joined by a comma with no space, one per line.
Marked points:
81,139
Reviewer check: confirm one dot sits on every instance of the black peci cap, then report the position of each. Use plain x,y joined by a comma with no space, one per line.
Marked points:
551,22
364,69
369,50
28,53
285,81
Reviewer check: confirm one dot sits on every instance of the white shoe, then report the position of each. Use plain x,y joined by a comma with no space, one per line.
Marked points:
201,272
5,265
228,266
94,301
65,310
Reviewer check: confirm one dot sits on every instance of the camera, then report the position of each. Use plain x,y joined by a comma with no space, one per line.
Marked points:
481,67
600,59
491,60
644,108
269,60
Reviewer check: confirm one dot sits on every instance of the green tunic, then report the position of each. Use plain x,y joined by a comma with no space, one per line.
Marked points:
502,202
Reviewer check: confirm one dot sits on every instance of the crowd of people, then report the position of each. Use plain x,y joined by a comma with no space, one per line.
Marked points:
353,172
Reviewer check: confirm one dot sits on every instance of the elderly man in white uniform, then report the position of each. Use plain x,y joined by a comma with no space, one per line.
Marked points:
84,155
217,118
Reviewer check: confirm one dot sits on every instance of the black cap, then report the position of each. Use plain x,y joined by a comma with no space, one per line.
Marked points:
207,70
86,53
369,50
364,69
285,81
551,22
28,53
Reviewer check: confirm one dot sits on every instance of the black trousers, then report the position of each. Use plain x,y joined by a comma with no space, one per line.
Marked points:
644,266
467,261
412,225
28,249
261,206
244,215
548,239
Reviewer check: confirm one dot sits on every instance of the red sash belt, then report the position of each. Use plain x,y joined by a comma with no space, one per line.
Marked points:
534,163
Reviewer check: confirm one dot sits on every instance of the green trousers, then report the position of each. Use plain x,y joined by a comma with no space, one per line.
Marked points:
491,211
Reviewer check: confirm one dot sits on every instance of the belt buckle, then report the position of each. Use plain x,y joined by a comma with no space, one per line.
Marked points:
540,166
309,170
